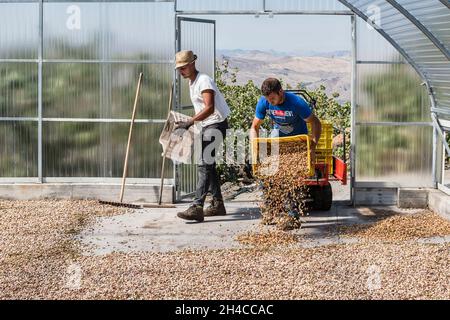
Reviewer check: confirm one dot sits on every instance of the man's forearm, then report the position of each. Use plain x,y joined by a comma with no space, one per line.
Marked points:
316,131
254,133
205,113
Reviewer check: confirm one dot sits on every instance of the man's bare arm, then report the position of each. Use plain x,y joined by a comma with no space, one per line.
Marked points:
208,98
316,128
254,130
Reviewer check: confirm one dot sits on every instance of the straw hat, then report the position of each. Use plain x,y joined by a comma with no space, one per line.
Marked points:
184,57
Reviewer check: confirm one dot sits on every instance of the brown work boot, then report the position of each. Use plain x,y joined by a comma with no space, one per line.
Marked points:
215,209
194,212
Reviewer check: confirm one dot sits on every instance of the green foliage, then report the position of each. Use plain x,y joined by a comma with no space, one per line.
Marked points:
241,99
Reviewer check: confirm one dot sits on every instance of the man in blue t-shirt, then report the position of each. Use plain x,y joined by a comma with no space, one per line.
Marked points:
289,113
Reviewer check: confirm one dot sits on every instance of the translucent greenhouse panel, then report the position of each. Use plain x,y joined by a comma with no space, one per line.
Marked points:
87,90
140,31
71,90
18,148
305,5
200,38
433,15
397,154
442,95
219,5
115,31
98,150
446,169
154,95
390,92
19,32
415,43
18,89
73,30
371,46
188,178
441,86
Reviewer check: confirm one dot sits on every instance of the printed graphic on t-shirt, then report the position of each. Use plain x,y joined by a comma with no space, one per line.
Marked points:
286,129
281,113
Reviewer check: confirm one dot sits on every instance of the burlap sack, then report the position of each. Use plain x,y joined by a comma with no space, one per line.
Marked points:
177,144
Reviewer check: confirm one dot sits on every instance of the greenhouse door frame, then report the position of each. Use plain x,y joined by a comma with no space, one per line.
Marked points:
181,14
185,174
441,185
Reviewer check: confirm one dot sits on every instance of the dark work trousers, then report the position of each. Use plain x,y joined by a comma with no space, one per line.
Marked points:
208,179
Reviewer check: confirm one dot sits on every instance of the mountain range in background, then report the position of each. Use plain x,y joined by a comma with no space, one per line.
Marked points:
310,68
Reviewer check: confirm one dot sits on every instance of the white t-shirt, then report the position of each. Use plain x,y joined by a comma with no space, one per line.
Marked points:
221,110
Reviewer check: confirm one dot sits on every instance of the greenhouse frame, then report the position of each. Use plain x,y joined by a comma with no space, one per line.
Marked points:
68,72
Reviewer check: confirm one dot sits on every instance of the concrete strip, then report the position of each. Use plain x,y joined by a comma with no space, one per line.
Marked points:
412,198
439,202
107,192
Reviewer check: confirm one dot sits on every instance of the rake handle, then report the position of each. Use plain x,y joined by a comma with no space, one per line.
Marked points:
125,166
164,155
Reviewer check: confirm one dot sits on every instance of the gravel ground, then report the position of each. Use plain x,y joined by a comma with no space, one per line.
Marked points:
39,259
390,227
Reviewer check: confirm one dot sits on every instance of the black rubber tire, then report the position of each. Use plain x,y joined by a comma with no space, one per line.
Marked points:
314,194
322,197
327,197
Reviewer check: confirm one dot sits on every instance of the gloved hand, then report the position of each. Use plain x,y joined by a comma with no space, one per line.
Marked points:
184,124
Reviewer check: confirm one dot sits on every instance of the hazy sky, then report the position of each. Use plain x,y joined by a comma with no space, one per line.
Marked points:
283,32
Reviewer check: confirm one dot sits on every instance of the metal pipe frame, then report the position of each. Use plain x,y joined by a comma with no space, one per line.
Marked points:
78,120
445,125
181,174
440,132
378,62
381,184
444,188
262,13
445,3
177,96
421,27
147,181
395,124
40,57
63,1
416,68
94,61
353,110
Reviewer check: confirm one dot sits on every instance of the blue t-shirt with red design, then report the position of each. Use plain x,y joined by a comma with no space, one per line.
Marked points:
288,116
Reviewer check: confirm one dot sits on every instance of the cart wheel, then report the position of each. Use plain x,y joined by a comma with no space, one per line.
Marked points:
322,197
327,197
315,195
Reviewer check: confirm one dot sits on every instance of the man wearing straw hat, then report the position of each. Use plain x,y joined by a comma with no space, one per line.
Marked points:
211,112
